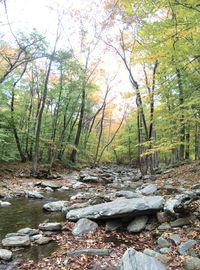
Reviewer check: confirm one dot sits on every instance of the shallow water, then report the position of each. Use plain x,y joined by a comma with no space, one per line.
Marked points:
25,212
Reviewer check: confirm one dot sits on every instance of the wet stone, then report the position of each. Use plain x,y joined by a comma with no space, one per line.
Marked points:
5,254
51,226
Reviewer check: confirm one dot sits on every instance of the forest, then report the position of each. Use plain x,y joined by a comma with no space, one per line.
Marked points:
99,135
64,104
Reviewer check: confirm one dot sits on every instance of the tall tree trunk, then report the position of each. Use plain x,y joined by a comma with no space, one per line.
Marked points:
182,124
39,124
79,129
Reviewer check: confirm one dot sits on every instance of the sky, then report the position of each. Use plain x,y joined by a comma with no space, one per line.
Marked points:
42,15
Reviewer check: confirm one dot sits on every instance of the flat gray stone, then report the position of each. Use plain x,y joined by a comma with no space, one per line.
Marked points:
16,241
50,185
50,226
4,204
28,231
181,222
147,189
183,248
83,226
160,257
5,254
175,238
191,263
138,224
118,208
134,260
162,242
55,206
35,195
43,240
90,252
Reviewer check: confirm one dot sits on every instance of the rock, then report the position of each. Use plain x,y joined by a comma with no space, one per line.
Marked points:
162,242
181,222
147,189
133,260
55,206
183,248
191,264
165,250
79,185
175,238
162,217
83,226
43,240
113,225
81,196
90,179
160,257
35,237
128,194
5,254
51,226
50,185
63,188
28,231
35,195
3,204
138,224
16,241
118,208
90,252
48,189
164,226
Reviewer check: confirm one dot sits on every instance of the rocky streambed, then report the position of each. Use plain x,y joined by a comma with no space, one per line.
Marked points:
114,213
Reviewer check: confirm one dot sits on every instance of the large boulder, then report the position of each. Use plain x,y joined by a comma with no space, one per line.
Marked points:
83,226
121,207
16,241
133,260
55,206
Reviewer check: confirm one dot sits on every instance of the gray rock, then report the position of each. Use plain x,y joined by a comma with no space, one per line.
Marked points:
118,208
128,194
162,242
16,241
90,179
79,185
35,237
183,248
43,240
55,206
83,226
191,264
165,250
113,225
5,254
164,226
35,195
51,226
28,231
133,260
181,222
90,252
147,189
138,224
160,257
3,204
175,238
50,185
48,189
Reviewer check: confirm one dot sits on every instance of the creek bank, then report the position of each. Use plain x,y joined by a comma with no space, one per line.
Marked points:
122,187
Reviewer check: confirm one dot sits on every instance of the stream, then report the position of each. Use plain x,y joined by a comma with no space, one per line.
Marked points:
25,212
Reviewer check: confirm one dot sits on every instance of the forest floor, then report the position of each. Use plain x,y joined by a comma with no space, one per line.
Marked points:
13,175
